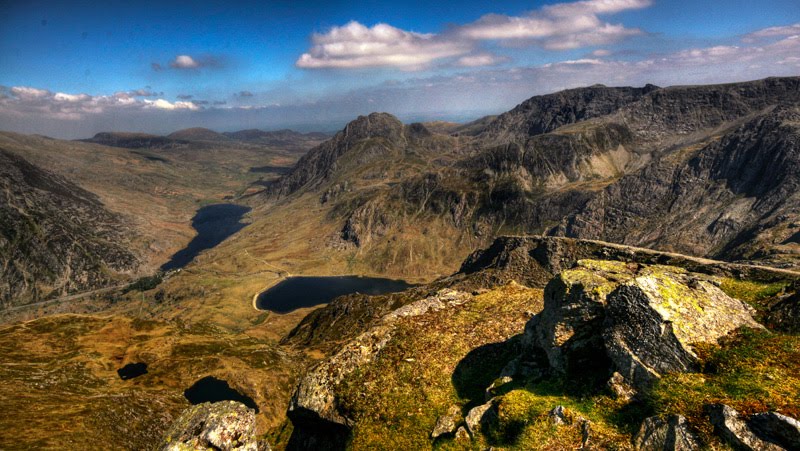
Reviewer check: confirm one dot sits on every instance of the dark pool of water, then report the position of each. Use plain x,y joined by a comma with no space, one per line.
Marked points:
213,224
132,370
297,292
211,389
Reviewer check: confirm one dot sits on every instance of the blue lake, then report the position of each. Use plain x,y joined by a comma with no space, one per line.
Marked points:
298,292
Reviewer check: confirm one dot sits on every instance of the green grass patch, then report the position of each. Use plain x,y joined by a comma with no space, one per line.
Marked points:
754,293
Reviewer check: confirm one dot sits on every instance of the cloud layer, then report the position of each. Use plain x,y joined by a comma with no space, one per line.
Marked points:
554,27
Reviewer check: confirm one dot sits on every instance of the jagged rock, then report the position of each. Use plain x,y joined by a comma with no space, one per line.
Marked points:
489,393
446,424
559,415
620,388
225,425
735,430
478,417
777,428
640,321
669,433
586,431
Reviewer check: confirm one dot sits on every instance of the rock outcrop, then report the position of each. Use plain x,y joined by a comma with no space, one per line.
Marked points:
736,431
314,406
222,426
669,433
640,321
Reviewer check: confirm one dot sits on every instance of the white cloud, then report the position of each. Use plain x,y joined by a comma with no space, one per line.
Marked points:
166,105
356,46
25,92
601,52
560,26
773,32
481,59
184,62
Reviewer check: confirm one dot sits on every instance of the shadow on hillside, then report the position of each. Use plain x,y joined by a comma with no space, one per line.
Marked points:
481,366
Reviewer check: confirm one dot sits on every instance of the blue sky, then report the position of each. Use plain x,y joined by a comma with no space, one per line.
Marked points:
70,69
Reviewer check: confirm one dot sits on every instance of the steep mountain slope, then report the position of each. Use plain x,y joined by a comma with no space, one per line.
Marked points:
734,196
539,166
54,236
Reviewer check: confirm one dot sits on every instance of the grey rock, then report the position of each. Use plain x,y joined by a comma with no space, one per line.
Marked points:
462,434
446,424
669,433
479,416
559,416
225,425
640,321
777,428
735,430
620,388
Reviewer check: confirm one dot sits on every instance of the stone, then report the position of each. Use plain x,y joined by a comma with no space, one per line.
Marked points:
480,416
638,320
559,416
224,425
670,433
462,435
736,431
620,388
446,424
777,428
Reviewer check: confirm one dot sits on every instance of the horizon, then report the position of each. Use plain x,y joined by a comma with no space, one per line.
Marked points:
77,70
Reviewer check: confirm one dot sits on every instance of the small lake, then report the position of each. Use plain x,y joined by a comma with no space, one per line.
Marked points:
298,292
213,224
211,389
132,370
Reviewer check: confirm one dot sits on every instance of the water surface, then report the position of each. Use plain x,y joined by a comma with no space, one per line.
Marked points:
213,224
211,389
297,292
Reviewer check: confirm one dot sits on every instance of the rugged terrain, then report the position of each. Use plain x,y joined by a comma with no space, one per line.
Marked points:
500,319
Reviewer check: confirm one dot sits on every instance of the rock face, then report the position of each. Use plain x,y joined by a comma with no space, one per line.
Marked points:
735,430
225,425
55,237
777,428
665,434
640,321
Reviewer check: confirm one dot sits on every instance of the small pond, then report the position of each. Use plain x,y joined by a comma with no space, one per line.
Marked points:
132,370
213,224
298,292
211,389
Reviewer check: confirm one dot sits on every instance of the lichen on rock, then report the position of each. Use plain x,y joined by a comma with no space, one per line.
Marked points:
225,425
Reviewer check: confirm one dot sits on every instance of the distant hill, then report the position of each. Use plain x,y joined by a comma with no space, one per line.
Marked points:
197,134
277,137
135,140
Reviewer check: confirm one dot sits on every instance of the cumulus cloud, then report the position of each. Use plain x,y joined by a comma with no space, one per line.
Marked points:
184,62
561,26
356,46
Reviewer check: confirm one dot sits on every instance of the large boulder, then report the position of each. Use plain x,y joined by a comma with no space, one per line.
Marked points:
736,431
777,428
641,321
225,425
669,433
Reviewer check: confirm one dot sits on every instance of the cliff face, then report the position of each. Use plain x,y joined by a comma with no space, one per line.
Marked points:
728,197
706,170
54,236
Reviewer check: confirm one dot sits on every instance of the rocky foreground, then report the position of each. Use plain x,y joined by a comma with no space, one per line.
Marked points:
621,348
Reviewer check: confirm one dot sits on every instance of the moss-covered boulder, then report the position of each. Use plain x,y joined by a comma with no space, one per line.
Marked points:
641,321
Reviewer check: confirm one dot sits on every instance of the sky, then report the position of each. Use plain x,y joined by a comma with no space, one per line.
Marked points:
72,69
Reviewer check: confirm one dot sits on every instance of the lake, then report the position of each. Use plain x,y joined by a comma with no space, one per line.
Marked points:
298,292
211,389
213,223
